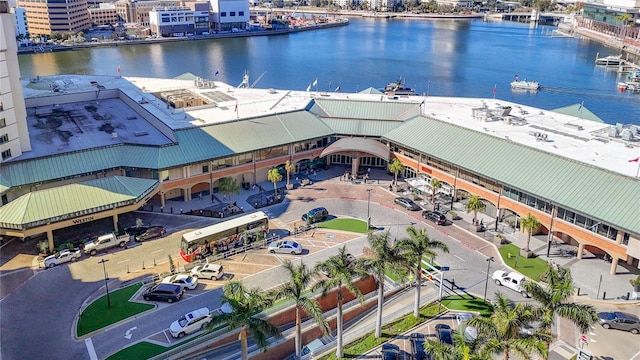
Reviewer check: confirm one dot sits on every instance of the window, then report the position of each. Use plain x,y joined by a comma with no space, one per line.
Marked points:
4,138
233,13
3,122
205,169
223,14
6,154
241,13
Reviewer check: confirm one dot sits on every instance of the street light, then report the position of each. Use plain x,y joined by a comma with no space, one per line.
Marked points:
368,204
106,285
489,260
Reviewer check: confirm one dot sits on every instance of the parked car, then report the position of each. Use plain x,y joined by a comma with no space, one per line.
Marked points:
315,215
390,352
163,292
407,203
208,271
512,280
470,332
619,321
62,257
417,346
310,350
150,233
136,230
184,280
286,247
435,216
444,334
190,322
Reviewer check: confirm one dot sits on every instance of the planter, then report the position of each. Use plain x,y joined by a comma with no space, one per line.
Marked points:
526,253
451,215
289,186
636,288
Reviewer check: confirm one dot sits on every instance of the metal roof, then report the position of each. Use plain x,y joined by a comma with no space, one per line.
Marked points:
360,127
602,194
366,109
579,111
69,201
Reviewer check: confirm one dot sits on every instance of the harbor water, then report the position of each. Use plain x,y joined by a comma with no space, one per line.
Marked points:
465,58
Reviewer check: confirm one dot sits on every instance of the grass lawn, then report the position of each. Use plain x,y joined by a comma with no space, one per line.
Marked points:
468,303
98,315
389,331
530,267
353,225
141,350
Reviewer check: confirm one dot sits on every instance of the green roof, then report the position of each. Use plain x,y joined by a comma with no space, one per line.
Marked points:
69,201
361,127
579,111
370,110
571,184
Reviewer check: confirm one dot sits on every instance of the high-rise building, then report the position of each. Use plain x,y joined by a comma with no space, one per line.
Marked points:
14,136
47,16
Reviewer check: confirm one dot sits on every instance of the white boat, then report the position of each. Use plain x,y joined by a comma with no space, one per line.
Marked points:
611,60
398,88
525,85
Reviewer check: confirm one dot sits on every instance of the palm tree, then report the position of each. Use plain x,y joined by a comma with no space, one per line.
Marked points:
475,204
274,176
245,305
229,185
503,330
386,257
342,269
435,185
395,167
417,246
297,290
462,349
529,224
289,167
554,299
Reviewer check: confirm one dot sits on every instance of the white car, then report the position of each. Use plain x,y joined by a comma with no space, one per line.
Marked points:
470,332
62,257
190,323
184,280
286,247
512,280
208,271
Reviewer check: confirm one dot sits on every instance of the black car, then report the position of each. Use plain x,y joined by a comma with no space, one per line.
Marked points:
444,334
136,230
150,233
315,215
163,292
390,352
417,347
435,216
407,203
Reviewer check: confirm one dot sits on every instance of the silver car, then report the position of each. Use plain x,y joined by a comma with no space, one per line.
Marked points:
620,321
286,247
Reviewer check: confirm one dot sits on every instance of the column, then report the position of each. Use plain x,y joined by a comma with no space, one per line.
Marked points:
50,240
619,237
162,201
115,221
355,164
580,251
614,265
187,194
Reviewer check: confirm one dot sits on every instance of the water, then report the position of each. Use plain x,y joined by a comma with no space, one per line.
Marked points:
439,58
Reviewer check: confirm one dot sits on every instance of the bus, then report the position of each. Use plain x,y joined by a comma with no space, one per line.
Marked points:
240,231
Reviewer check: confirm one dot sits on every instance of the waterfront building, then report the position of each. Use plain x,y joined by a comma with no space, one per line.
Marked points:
137,12
171,21
609,11
146,139
22,28
105,14
47,16
14,136
227,15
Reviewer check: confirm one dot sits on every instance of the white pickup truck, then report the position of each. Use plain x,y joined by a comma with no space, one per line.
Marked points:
512,280
62,257
105,242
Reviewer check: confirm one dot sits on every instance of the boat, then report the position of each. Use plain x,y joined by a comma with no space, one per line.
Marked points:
398,88
525,85
611,60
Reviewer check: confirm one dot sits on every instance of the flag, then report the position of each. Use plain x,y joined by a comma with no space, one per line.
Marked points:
309,87
315,82
580,107
236,106
338,88
118,68
217,73
495,87
635,160
329,84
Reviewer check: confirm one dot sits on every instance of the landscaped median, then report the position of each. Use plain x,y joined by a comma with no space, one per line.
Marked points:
531,267
99,314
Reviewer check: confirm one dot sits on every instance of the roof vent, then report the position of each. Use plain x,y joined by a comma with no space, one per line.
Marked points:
614,132
114,135
627,135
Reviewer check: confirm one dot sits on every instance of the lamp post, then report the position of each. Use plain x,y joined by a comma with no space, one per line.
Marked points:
486,284
106,285
368,207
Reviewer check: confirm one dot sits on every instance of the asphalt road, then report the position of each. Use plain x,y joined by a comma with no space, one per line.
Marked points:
47,305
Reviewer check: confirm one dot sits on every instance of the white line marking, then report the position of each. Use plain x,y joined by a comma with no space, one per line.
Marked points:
153,252
461,259
124,261
166,336
90,349
635,355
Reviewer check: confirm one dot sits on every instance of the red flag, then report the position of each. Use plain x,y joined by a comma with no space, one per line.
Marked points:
495,88
635,160
236,106
118,68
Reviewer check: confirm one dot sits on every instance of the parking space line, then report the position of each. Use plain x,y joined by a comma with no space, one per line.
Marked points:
92,351
124,261
153,252
461,259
